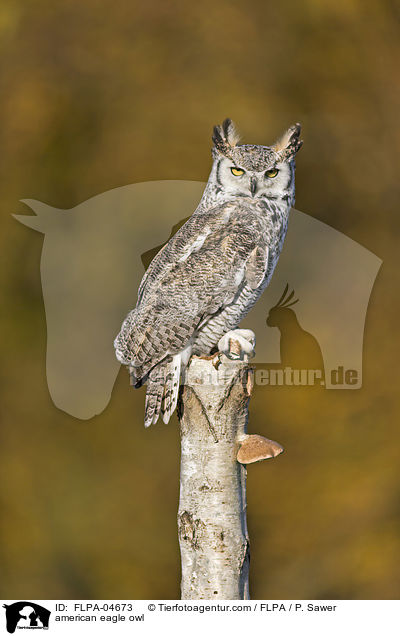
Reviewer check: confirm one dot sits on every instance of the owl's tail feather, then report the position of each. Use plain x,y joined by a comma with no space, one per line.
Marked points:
171,387
162,391
152,407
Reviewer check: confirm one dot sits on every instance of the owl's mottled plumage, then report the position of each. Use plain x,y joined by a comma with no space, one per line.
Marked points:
211,272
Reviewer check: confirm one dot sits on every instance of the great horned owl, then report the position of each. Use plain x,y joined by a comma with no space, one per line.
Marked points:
212,271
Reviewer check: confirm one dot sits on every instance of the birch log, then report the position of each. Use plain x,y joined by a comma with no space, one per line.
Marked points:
212,526
215,446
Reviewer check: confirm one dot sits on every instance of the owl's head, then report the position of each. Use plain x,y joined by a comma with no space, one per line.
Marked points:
255,171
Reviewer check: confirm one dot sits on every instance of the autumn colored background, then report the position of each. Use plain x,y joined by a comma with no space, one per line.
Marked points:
100,94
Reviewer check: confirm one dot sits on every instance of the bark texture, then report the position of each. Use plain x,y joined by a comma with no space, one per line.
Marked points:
212,526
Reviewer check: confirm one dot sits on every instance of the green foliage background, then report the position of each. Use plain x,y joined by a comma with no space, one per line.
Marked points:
98,94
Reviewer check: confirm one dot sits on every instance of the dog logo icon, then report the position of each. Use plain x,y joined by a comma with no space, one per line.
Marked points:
26,615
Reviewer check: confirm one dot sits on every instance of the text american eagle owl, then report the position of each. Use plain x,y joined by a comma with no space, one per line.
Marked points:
207,277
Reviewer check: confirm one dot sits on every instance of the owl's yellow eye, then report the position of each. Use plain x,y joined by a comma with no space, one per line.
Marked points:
237,172
271,173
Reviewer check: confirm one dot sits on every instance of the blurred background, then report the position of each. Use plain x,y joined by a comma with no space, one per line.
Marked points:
99,94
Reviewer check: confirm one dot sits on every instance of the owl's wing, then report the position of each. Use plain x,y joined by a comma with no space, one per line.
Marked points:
256,266
187,239
196,275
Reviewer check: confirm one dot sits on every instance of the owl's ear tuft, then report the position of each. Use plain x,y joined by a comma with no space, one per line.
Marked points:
225,137
287,145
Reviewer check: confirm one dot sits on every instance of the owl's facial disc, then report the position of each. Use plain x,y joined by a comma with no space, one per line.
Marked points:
245,181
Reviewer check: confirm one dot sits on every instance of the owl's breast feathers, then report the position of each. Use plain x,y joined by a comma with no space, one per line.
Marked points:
199,272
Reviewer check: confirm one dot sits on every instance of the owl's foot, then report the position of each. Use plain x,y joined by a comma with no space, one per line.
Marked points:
215,358
238,344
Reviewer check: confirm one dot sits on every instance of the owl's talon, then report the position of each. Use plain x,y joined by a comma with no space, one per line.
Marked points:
216,360
238,344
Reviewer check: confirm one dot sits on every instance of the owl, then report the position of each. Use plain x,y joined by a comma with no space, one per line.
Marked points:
208,276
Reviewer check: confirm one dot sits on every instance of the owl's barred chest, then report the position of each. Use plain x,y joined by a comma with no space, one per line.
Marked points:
272,228
269,226
261,221
251,224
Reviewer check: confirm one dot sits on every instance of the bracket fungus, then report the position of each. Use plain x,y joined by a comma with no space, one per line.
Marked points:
255,448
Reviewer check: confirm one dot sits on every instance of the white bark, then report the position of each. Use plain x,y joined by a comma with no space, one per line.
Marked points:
212,524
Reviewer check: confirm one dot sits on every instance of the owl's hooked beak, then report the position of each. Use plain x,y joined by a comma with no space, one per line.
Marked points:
253,186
